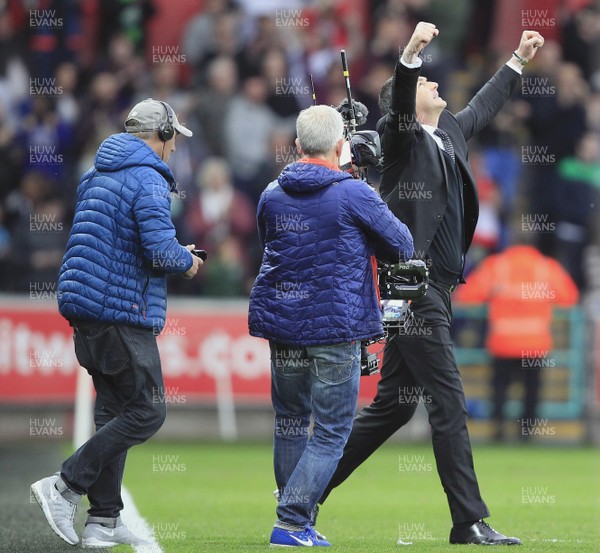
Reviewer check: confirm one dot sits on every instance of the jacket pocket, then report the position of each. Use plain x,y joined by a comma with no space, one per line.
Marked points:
101,349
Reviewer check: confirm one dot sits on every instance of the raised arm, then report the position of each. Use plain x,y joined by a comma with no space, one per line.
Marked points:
493,95
401,123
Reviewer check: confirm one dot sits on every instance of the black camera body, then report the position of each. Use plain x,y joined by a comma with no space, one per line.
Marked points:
404,281
398,283
365,147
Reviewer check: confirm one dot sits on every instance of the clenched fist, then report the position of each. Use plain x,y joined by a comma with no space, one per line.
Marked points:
530,42
421,37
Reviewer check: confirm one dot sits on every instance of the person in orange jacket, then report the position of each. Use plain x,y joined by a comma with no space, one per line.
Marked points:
520,286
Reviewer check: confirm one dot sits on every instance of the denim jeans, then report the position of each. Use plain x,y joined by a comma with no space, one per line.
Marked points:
124,363
322,381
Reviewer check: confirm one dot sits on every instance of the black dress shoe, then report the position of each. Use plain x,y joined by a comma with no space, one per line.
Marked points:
481,533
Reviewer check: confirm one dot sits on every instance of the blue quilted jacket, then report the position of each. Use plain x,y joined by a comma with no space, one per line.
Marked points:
122,243
319,228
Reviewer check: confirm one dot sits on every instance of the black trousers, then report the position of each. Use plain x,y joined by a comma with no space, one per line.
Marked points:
124,363
419,366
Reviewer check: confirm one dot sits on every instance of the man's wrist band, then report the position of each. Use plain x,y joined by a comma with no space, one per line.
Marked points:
522,60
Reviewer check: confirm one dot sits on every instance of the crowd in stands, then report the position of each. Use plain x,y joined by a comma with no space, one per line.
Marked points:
238,75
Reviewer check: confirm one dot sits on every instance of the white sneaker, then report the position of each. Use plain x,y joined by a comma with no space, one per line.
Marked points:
98,535
59,511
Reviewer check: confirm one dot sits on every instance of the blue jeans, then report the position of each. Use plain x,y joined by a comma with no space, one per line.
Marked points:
322,381
124,363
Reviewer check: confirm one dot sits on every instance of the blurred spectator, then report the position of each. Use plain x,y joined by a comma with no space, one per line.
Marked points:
67,106
391,28
593,112
225,275
344,23
579,196
103,116
126,67
327,26
21,202
369,88
212,33
284,90
581,42
556,123
11,156
219,212
334,90
164,84
38,245
46,138
53,33
14,76
265,39
520,286
249,124
447,54
124,17
212,104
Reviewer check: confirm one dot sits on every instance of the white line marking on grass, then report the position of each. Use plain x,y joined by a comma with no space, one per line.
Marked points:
138,525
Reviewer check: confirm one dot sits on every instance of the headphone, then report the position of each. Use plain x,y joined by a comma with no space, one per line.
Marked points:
166,131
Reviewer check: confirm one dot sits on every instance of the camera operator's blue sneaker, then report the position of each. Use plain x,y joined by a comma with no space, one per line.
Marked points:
291,538
313,520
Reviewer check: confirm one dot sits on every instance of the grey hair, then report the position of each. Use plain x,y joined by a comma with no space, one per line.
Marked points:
318,129
144,135
385,96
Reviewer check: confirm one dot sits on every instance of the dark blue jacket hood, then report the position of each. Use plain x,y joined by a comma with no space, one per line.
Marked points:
302,177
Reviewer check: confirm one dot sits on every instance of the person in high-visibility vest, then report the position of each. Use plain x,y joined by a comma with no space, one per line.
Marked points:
520,286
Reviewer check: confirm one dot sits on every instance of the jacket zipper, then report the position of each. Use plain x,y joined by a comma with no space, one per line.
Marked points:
144,303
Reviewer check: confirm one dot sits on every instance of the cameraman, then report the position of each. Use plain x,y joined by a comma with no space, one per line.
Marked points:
315,300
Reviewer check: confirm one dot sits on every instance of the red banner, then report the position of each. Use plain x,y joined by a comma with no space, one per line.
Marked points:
205,349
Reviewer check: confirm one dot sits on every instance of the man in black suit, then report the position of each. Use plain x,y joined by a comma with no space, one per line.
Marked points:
427,182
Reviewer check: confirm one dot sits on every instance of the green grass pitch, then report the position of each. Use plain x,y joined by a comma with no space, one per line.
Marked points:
216,497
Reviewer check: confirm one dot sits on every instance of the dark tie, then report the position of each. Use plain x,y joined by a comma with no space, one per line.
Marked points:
443,135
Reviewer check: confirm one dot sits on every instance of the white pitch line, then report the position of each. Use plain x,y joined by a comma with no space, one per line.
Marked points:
138,524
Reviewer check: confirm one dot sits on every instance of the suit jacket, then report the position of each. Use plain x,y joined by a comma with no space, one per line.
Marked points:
414,179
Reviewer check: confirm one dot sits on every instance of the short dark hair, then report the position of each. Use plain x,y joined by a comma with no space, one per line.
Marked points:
385,96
